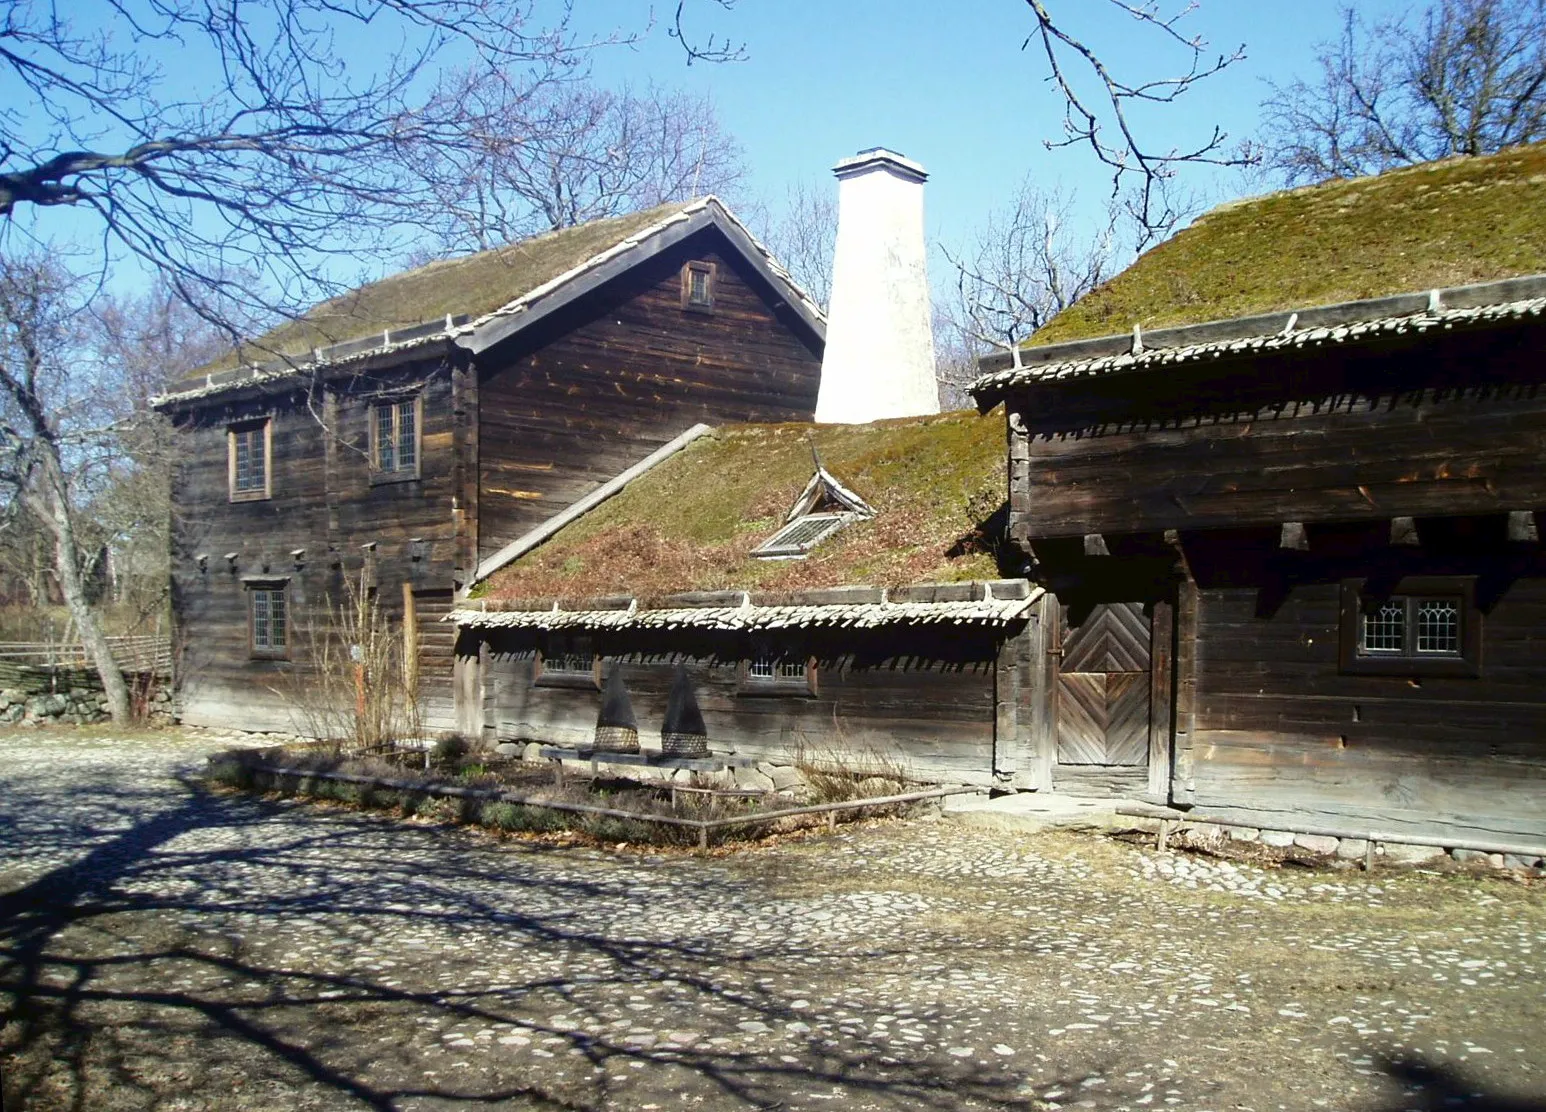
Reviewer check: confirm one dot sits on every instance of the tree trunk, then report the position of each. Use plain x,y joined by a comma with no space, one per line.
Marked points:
53,507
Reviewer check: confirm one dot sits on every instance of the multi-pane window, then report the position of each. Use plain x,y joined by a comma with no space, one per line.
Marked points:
247,447
1412,626
698,285
1427,625
767,667
568,661
771,668
395,436
800,536
269,620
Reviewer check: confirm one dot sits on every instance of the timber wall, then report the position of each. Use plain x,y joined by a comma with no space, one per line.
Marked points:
322,501
1281,734
575,399
926,698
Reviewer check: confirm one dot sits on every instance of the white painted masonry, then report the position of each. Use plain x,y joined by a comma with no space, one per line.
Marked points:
879,358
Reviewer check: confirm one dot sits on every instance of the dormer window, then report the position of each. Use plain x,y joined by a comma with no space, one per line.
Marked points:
698,286
824,507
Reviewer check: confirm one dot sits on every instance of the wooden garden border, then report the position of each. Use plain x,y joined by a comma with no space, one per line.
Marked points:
702,826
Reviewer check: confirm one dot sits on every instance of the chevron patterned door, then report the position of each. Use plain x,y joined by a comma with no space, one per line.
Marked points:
1103,688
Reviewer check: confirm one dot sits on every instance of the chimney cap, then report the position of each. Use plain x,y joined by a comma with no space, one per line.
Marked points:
879,158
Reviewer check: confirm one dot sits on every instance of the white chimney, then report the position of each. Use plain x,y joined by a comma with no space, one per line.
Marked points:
879,359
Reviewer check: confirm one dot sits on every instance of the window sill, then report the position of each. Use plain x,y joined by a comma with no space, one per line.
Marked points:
1408,667
249,496
571,680
775,689
386,478
259,654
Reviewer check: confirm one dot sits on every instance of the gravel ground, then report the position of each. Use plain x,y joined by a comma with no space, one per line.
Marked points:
163,947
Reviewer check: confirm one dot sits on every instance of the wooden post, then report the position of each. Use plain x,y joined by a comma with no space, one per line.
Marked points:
1161,699
411,656
1183,779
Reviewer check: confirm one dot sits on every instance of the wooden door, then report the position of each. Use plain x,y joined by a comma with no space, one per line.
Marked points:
1103,688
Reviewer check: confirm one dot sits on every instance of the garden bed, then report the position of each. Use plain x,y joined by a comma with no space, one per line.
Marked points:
515,795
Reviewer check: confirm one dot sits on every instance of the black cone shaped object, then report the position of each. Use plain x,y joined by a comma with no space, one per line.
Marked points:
683,734
616,729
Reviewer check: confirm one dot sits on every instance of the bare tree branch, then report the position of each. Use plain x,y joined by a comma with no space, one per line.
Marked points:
1101,120
1464,77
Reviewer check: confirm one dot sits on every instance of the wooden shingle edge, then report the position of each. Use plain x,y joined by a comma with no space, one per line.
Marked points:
524,544
1481,303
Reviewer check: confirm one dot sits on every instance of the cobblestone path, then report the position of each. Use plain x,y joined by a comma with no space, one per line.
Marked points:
165,948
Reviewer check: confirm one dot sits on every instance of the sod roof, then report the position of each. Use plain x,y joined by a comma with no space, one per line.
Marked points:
1448,223
692,521
470,285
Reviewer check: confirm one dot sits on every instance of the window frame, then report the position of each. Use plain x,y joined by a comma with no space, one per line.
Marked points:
232,431
770,549
275,587
749,683
544,675
1356,660
710,272
396,474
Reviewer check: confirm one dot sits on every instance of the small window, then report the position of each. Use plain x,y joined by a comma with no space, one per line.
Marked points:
698,286
268,618
567,661
771,669
801,535
394,439
1425,626
247,460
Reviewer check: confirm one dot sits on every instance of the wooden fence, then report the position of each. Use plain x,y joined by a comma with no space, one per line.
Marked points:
28,664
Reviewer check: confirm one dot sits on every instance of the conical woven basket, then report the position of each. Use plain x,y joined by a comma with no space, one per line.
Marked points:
684,745
617,739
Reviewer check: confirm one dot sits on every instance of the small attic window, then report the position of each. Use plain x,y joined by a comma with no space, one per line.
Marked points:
800,536
698,286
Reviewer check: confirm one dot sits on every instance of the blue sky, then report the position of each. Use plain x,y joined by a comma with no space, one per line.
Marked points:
947,83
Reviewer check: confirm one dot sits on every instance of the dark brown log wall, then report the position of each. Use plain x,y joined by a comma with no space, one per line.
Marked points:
1433,426
1280,734
323,501
926,698
575,399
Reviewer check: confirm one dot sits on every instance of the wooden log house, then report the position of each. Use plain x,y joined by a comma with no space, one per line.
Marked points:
833,590
403,434
1296,551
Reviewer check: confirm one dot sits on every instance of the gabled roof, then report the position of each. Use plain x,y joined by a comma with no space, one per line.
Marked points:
479,300
691,522
1443,224
1466,308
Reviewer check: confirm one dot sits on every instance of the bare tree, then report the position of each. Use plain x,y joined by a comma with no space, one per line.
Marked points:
293,154
1463,77
1101,120
54,436
562,154
1027,264
803,237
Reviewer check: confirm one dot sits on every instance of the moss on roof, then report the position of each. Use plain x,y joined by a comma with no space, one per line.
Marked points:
471,284
691,522
1445,223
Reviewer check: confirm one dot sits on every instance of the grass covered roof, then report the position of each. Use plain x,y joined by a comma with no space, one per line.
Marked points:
692,521
471,285
1440,224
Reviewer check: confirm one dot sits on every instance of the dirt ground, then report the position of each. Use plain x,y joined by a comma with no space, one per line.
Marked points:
163,947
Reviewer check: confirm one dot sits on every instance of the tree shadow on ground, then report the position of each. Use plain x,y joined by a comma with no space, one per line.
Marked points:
157,954
1431,1087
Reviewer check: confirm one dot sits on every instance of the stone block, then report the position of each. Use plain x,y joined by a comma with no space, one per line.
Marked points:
1515,861
1242,833
1352,849
509,749
531,751
1403,854
1317,843
47,706
752,779
1471,856
786,778
1280,838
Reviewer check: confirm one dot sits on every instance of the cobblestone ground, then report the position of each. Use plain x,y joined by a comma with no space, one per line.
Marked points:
165,948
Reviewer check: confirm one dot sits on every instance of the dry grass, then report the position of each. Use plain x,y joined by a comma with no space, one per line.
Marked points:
1441,224
472,284
692,522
